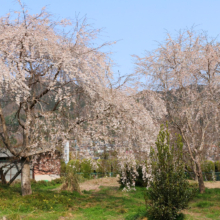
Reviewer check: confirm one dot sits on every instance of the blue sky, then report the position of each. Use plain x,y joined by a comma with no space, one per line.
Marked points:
137,25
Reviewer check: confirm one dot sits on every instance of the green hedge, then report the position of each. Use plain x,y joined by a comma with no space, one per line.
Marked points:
217,166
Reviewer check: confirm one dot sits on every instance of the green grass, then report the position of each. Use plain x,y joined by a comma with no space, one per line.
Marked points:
205,206
108,203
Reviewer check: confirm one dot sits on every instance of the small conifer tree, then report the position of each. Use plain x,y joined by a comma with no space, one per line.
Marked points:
169,191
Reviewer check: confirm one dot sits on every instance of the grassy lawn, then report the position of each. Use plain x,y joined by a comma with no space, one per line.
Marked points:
204,206
107,203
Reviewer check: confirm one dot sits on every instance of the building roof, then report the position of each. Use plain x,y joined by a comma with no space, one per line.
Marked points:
5,153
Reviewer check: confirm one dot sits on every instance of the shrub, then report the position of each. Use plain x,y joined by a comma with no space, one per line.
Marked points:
114,166
208,167
169,191
217,166
81,178
194,187
76,164
57,181
138,181
86,168
103,166
41,183
70,181
63,167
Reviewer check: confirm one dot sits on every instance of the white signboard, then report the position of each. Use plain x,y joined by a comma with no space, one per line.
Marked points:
66,152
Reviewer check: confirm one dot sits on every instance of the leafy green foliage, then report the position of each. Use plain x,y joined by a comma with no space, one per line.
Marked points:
169,190
208,169
217,166
103,166
86,168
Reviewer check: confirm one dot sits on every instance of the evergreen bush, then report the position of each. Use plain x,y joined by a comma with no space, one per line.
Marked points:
169,191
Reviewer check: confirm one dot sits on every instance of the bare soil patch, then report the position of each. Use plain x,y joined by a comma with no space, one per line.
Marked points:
212,185
196,216
209,184
96,183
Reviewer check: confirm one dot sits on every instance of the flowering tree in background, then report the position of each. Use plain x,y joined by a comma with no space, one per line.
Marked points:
41,68
186,71
42,73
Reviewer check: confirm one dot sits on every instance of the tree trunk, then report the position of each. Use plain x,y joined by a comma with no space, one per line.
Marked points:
25,179
195,172
2,176
200,177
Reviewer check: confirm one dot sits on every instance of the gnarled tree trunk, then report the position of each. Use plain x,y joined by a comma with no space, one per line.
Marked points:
25,178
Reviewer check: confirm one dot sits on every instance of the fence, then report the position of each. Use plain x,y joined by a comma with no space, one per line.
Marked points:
207,176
